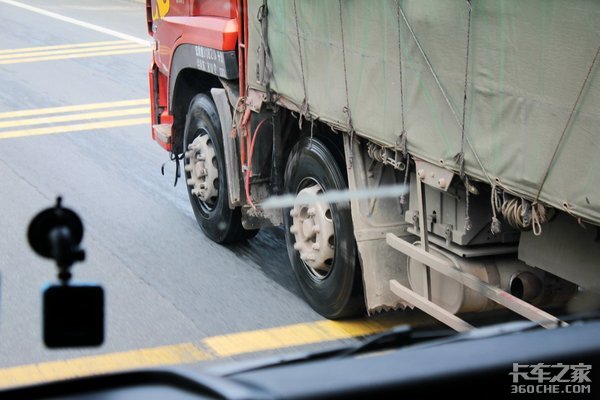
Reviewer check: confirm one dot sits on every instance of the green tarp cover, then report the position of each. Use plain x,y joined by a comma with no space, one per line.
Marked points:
528,62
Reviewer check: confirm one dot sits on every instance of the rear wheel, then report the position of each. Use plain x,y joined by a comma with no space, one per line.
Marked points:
320,237
204,166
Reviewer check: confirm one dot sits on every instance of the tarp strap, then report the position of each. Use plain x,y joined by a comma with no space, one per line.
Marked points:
264,70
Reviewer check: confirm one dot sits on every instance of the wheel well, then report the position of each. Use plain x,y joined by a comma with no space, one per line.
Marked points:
189,83
292,133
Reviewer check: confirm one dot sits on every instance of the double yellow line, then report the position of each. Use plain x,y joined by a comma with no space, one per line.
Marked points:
52,120
66,51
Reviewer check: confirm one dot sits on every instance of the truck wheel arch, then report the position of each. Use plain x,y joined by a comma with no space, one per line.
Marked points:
195,69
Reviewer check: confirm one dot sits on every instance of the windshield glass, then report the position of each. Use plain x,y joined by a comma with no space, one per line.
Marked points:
237,204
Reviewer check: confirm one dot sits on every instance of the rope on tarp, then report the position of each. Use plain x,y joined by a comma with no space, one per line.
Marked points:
568,124
346,109
460,157
496,203
403,140
439,85
402,115
304,109
429,66
518,212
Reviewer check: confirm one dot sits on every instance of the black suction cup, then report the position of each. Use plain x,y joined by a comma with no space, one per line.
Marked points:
43,227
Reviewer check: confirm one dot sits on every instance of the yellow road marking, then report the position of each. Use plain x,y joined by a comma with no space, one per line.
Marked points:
81,55
10,119
38,54
64,46
292,335
185,353
80,107
75,117
85,366
73,128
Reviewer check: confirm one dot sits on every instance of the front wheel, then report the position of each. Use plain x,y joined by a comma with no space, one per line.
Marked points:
320,238
204,166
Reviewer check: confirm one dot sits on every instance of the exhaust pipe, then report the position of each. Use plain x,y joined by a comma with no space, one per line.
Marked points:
525,285
506,272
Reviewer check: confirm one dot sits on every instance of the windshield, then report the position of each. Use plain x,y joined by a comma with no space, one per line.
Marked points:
179,158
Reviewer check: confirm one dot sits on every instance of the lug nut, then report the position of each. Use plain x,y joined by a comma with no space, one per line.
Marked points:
293,212
316,246
311,212
316,229
297,246
293,231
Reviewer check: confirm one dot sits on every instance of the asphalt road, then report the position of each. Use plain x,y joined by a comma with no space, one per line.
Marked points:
165,282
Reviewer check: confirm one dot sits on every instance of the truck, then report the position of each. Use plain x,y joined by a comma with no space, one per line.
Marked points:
437,154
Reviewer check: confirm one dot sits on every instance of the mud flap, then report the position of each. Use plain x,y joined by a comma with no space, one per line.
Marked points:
373,219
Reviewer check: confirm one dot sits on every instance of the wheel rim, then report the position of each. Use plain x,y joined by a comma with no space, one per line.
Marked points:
202,165
314,233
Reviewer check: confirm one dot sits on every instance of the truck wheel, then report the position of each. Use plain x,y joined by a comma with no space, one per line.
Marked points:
204,166
320,238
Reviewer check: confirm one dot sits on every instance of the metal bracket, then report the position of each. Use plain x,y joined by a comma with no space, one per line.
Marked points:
423,233
429,307
255,100
432,175
493,293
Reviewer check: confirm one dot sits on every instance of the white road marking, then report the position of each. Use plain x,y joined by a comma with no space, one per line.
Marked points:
80,23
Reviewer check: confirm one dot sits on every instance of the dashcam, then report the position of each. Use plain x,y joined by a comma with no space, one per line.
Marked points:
73,316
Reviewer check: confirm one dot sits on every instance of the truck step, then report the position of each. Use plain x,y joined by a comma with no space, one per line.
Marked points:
162,134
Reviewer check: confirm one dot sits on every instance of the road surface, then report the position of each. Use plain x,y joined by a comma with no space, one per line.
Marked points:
74,122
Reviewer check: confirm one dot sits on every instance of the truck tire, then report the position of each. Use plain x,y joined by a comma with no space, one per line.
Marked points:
320,237
204,166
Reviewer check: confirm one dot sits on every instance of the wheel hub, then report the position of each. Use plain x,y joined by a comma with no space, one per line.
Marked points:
313,231
201,163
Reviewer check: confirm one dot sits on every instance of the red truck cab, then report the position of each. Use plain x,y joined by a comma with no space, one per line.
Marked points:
191,38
